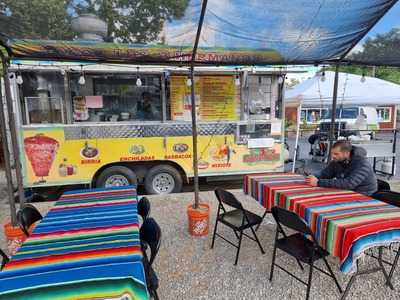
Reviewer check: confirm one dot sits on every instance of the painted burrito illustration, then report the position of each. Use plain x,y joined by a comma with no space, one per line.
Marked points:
41,151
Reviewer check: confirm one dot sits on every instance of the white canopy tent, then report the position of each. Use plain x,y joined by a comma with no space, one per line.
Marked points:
352,90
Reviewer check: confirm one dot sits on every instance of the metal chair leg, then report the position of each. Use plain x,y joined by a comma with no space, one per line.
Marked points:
346,291
215,231
257,240
263,216
333,275
271,272
396,260
388,282
155,295
309,280
238,249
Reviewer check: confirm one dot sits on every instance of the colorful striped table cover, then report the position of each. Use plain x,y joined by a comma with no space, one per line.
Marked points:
86,247
345,223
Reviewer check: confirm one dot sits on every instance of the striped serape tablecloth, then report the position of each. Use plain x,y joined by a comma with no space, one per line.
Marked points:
86,247
345,223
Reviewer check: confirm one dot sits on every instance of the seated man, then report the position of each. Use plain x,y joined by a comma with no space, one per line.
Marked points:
348,170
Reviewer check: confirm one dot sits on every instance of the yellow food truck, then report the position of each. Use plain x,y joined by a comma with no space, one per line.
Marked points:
110,125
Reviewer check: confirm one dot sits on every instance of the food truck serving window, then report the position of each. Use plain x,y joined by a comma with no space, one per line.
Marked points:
115,98
42,96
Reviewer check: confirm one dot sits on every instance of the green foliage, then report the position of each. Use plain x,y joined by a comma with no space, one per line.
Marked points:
384,47
128,20
134,20
36,19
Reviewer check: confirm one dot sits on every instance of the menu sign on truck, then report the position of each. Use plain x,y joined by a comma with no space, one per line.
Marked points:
216,98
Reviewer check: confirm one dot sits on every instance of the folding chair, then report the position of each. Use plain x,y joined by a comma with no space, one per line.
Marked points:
27,216
389,197
237,219
150,238
144,208
298,246
4,259
383,185
392,198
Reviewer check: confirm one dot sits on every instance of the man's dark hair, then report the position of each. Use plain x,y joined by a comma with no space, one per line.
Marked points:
344,146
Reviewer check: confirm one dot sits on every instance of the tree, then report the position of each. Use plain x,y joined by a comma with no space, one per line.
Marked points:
128,20
384,48
134,20
35,19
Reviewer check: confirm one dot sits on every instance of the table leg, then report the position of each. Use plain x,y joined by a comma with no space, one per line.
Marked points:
351,281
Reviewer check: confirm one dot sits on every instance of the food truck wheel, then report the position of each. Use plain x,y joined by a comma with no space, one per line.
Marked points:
116,176
163,179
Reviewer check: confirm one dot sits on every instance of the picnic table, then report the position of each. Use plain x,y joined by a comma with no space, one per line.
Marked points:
345,223
86,247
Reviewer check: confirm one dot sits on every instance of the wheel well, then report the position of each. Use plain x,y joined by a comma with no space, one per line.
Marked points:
141,168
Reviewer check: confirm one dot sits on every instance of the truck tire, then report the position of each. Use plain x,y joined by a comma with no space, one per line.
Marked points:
163,179
116,176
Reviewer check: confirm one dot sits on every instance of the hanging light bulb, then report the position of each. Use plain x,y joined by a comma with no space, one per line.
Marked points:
138,82
253,69
82,80
237,80
363,78
189,82
19,79
323,78
280,79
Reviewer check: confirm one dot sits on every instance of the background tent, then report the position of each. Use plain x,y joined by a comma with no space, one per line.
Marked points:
351,90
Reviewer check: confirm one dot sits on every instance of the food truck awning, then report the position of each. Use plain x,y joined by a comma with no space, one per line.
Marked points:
236,32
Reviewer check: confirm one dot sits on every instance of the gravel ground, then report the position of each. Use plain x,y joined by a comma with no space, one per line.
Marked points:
189,269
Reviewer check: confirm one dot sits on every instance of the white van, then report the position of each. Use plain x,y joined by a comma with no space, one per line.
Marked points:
346,118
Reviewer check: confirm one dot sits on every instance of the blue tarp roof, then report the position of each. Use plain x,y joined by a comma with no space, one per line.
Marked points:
242,32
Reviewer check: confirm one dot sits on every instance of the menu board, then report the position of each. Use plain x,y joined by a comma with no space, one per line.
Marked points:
216,98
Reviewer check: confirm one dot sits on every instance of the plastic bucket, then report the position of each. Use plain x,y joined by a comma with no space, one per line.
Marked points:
199,219
15,237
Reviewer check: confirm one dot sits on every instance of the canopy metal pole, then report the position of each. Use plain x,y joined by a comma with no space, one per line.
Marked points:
296,144
194,123
7,165
13,132
333,117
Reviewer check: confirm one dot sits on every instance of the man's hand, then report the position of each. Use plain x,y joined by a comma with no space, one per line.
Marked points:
312,180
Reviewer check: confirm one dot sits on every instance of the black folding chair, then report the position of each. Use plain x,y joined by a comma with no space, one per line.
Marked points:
383,185
298,245
144,208
150,238
4,259
392,198
389,197
27,216
237,219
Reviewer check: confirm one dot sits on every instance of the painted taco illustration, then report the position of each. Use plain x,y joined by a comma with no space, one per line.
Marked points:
41,151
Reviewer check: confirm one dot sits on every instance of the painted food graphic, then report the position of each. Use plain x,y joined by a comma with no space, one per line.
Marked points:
202,164
180,147
89,152
41,151
222,152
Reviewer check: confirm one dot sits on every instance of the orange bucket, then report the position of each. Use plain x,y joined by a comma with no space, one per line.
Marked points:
15,237
199,219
